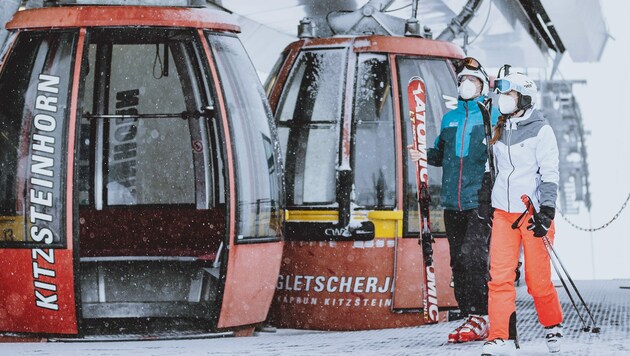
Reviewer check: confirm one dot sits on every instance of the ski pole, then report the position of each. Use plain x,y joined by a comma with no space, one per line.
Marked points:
547,244
595,328
550,250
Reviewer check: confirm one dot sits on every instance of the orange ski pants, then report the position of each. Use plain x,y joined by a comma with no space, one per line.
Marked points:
504,253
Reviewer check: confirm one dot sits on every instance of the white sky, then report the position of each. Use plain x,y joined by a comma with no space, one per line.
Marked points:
606,253
603,254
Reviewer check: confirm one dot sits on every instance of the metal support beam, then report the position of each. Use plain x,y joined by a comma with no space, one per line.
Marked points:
460,22
369,19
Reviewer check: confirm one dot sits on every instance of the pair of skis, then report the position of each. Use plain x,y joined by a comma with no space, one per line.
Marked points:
416,97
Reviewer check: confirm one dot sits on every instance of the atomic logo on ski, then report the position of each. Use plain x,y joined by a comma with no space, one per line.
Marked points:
417,109
416,97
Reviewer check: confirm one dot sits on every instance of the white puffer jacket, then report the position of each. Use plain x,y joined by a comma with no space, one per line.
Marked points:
527,163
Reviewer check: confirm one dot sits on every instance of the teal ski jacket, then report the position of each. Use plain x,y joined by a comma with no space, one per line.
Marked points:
460,149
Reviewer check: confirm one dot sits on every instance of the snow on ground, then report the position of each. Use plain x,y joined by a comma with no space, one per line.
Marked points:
608,300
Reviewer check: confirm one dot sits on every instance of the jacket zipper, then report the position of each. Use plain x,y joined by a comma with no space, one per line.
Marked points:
461,163
509,144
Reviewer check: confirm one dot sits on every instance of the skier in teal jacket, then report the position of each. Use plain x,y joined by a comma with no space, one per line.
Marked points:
460,149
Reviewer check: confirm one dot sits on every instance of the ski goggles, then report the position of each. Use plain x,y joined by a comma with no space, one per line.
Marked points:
503,86
469,63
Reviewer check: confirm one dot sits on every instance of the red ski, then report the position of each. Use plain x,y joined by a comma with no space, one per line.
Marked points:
416,97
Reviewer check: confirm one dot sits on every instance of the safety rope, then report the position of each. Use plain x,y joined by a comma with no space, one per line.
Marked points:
623,206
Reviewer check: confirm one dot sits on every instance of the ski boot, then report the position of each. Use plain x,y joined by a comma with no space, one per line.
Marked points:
475,328
553,337
499,347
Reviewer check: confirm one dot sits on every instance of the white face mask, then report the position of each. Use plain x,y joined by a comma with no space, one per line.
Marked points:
507,104
467,89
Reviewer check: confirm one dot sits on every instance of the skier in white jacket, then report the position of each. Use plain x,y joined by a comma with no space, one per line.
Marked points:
526,155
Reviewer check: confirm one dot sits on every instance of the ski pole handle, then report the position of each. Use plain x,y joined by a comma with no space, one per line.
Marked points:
529,205
529,208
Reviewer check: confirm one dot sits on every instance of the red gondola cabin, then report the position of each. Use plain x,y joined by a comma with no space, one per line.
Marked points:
351,258
139,177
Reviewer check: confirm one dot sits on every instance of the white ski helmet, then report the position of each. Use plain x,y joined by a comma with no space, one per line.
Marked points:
471,66
523,85
478,73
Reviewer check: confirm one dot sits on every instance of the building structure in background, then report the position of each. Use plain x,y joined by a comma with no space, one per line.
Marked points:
564,115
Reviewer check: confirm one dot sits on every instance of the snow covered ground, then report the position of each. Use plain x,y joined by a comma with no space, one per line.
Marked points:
608,300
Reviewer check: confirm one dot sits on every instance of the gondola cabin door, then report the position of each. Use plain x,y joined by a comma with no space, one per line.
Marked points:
255,246
139,177
37,251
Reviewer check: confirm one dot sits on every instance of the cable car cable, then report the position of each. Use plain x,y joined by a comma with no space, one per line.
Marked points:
400,8
485,23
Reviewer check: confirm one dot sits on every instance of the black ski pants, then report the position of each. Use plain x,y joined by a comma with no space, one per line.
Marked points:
468,244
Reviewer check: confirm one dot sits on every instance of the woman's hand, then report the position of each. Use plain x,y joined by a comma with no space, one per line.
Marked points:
414,154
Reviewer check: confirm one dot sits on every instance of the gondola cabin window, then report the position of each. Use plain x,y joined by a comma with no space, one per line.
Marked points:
33,119
256,153
142,126
5,48
375,154
308,118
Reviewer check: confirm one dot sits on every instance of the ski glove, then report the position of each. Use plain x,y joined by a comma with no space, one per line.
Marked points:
484,197
540,223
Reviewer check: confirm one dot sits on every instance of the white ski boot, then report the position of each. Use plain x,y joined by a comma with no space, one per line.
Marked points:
553,336
499,347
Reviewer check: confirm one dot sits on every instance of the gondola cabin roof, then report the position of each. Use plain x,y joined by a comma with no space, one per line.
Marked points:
385,44
116,16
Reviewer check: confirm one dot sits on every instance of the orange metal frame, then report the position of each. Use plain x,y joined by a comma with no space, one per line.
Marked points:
111,16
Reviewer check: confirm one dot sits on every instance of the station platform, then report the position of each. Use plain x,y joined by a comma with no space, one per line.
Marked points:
609,301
